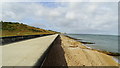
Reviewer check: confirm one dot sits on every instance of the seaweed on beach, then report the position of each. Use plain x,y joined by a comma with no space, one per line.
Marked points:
87,42
108,53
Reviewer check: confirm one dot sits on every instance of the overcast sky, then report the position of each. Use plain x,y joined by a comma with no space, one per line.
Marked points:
68,17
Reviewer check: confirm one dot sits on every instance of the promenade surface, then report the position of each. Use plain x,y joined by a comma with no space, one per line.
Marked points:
0,56
26,53
64,52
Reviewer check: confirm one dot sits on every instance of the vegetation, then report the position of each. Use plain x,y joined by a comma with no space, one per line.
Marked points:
18,29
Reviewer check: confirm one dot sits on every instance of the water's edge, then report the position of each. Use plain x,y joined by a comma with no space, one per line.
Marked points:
116,56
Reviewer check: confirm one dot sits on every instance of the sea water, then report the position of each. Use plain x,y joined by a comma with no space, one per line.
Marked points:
102,42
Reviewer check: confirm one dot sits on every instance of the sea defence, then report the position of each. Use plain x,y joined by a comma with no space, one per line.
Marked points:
28,52
54,50
70,52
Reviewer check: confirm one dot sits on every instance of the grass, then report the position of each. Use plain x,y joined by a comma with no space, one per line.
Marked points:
18,29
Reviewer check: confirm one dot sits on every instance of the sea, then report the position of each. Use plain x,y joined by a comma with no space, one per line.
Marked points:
102,42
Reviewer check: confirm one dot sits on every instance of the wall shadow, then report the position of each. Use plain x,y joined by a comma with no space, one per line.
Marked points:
55,56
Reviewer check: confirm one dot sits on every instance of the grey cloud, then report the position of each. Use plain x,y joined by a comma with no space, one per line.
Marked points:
69,17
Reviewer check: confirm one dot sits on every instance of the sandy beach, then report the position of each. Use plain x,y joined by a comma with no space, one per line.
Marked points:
70,52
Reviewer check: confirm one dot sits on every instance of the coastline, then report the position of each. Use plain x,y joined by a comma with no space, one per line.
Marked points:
117,59
103,51
100,51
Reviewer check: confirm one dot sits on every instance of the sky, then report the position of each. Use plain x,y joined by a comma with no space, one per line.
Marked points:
66,17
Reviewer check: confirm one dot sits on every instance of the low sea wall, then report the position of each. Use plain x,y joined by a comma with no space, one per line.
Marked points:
10,39
29,53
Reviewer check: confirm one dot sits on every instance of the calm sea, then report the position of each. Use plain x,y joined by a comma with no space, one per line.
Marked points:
102,42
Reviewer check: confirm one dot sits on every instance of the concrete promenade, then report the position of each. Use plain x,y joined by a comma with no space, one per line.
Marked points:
26,53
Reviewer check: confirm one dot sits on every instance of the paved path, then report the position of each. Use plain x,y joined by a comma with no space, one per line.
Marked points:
26,53
0,56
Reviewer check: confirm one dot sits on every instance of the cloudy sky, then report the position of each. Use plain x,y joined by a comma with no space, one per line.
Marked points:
68,17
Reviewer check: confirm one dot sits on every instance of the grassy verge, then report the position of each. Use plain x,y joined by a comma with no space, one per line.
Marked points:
20,29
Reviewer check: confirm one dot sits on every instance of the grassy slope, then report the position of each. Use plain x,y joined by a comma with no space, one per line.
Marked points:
18,29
